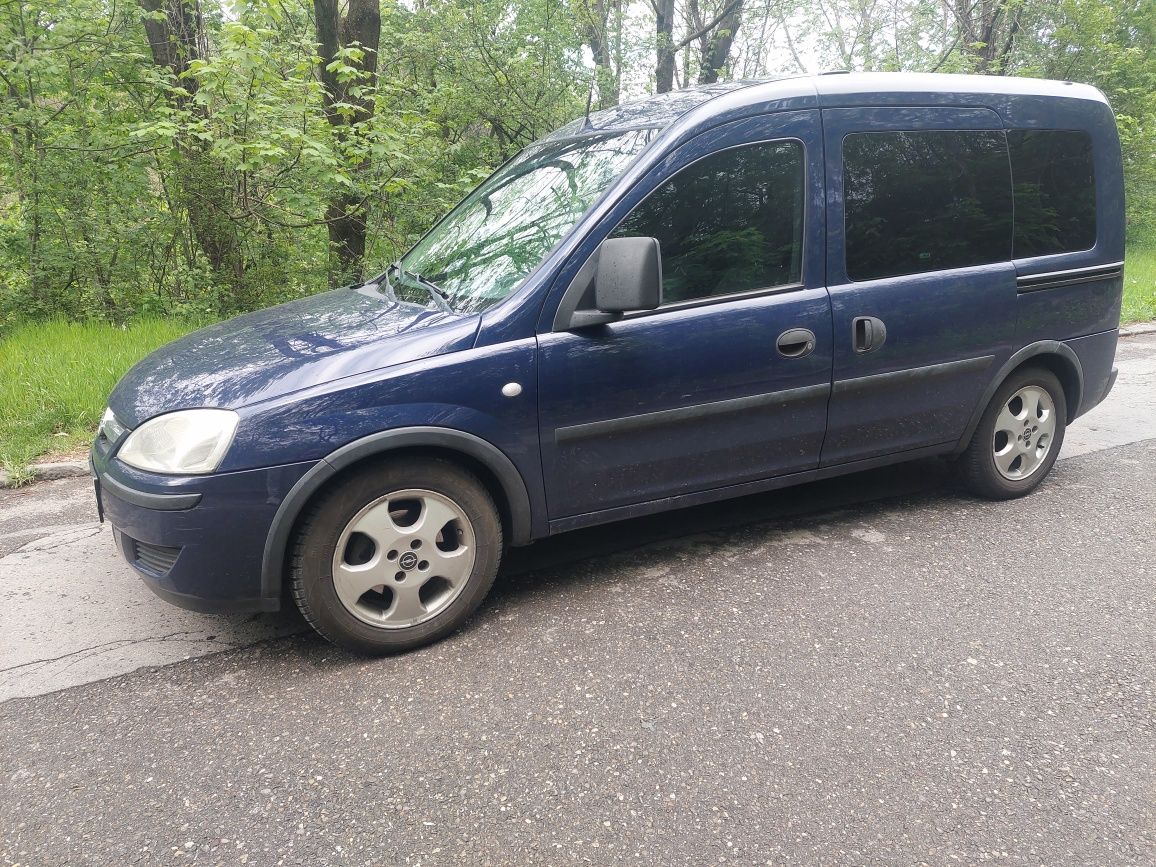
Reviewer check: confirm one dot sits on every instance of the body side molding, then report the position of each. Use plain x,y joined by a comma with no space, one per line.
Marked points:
909,374
606,427
489,455
1041,347
1069,277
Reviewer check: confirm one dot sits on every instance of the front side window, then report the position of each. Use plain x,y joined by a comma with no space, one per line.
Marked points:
925,201
731,222
500,232
1055,191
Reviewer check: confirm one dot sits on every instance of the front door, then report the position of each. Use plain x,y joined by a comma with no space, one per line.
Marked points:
923,291
705,391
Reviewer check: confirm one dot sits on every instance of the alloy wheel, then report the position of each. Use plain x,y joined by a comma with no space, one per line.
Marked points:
404,558
1024,430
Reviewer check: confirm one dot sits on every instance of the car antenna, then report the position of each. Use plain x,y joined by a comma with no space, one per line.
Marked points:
589,100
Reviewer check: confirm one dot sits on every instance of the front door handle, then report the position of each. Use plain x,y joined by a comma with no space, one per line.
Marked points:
796,343
867,333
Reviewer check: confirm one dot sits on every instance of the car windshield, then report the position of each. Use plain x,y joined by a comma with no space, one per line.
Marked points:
499,233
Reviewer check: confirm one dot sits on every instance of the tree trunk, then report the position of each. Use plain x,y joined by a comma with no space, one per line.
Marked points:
716,46
176,40
204,188
987,35
665,47
598,38
345,216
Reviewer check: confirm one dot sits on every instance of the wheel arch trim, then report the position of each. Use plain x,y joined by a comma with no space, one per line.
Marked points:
1052,348
472,446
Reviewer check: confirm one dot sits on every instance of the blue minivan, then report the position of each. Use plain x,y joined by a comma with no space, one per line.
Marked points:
701,295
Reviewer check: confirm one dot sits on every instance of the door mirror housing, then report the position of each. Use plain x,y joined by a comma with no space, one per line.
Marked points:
624,275
629,275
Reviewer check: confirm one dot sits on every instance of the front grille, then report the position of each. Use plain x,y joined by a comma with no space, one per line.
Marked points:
157,559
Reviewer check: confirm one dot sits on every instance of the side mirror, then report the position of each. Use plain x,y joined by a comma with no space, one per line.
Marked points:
629,275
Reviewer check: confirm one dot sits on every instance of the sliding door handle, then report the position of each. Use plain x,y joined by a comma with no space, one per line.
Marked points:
867,333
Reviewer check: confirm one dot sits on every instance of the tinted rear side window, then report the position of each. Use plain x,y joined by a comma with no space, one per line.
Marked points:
925,201
731,222
1055,191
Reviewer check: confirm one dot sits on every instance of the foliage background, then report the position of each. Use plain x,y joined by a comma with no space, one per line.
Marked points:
131,189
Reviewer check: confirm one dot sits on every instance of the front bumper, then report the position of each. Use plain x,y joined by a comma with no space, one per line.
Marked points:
195,541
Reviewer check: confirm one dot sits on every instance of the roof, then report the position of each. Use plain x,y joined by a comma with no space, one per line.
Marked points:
650,111
829,90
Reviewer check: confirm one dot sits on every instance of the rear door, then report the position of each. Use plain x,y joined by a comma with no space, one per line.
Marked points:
919,271
699,393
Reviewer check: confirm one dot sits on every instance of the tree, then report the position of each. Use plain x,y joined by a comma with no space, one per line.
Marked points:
598,19
176,38
348,45
203,157
665,49
988,31
715,37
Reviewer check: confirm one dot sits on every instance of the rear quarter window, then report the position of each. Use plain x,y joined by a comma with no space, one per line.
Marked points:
919,201
1055,191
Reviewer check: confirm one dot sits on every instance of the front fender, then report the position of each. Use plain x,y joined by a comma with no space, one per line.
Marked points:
513,486
455,401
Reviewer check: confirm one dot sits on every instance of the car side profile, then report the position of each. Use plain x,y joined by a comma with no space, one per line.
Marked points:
705,294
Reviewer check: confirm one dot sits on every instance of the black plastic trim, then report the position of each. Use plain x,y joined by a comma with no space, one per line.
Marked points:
207,605
910,374
804,338
157,502
606,427
848,467
513,486
1069,277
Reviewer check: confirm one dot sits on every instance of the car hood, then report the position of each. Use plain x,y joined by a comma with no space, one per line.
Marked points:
286,348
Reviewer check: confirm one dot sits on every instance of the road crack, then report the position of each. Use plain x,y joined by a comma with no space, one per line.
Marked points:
116,645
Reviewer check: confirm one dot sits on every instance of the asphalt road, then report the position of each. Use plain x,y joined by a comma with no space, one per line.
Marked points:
876,669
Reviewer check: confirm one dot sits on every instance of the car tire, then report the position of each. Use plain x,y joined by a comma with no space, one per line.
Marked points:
1018,438
421,537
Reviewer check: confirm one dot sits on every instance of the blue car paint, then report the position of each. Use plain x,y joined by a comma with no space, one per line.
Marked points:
959,339
320,376
276,352
221,557
653,363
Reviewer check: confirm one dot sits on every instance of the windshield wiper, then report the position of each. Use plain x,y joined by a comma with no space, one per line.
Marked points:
437,294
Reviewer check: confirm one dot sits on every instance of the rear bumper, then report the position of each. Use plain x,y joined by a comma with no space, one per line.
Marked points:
1111,382
1096,354
196,541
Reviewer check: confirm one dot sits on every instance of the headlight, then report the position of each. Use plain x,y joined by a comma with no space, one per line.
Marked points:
189,441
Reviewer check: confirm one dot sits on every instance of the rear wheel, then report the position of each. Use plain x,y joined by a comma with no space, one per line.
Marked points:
398,555
1018,438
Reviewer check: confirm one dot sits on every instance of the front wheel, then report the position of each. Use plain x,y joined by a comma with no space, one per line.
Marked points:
1018,438
397,555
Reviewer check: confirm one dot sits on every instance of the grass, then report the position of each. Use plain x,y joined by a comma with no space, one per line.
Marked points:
55,378
1139,285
